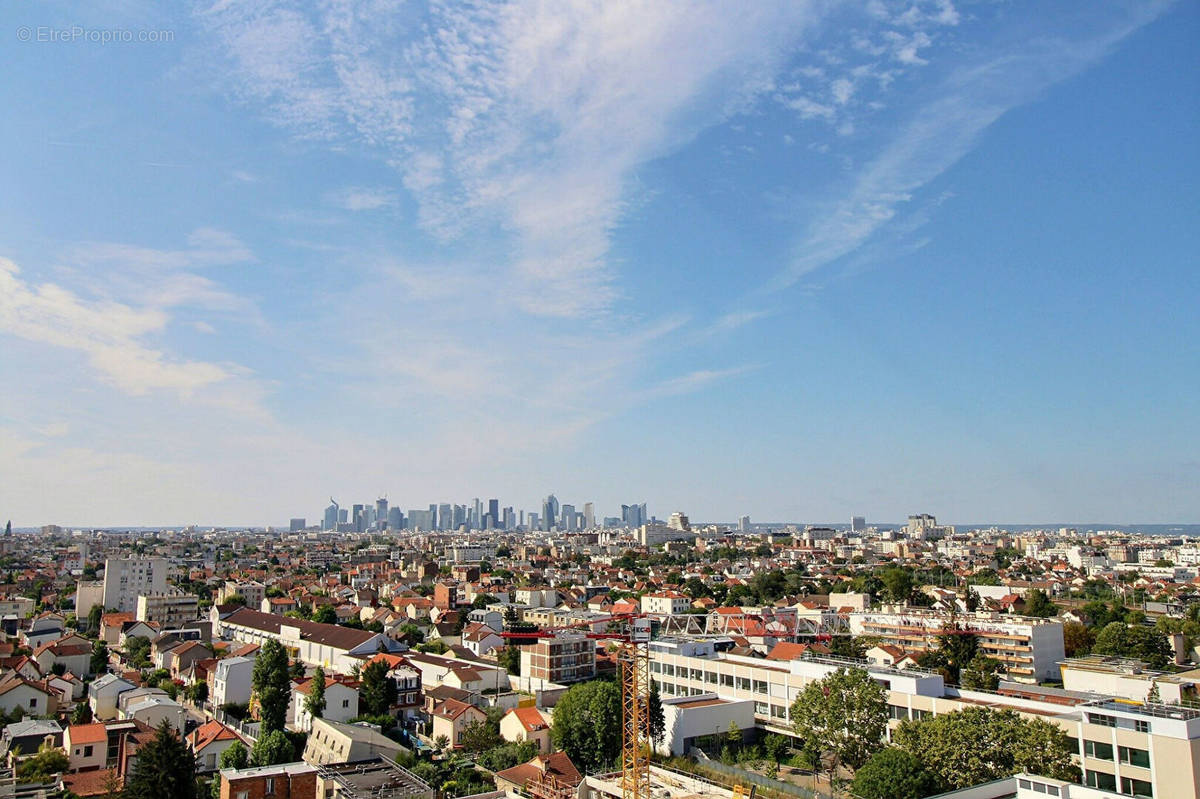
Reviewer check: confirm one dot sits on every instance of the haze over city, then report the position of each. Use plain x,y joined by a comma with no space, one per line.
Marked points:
799,262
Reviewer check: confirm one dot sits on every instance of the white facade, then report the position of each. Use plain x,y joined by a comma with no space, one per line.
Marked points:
686,718
169,610
665,603
126,578
231,681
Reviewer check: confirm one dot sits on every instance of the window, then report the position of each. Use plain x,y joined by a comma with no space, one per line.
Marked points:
87,751
897,712
1135,757
760,686
242,795
1101,719
1101,780
345,703
269,786
1096,749
1134,787
1141,725
33,701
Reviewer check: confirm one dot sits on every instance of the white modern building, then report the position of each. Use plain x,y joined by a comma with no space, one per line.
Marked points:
127,578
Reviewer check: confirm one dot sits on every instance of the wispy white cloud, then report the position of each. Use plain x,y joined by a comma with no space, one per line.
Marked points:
360,198
967,99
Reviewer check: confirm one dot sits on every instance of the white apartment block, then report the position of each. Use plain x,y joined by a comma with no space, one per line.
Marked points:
1029,648
665,603
1135,749
170,610
127,578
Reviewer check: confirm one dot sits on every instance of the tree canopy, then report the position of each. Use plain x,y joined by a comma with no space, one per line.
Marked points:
978,744
893,773
314,703
842,716
272,685
272,748
377,691
165,767
587,724
1134,640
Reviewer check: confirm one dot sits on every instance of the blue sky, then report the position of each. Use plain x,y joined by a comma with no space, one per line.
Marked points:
798,259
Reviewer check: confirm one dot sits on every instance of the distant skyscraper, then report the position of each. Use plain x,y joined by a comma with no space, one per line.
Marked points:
633,515
356,517
445,517
297,525
549,512
395,519
433,517
858,524
331,516
589,515
476,514
460,516
534,521
568,518
744,524
494,511
381,510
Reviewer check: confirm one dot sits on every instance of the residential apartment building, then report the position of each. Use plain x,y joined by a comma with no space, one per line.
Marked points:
171,610
125,579
563,658
665,603
1029,648
312,643
1141,750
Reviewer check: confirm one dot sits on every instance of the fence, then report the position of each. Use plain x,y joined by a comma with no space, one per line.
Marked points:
749,777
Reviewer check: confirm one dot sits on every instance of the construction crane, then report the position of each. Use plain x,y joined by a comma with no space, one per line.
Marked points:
633,663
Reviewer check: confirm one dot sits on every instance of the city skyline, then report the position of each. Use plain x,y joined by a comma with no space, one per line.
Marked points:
807,261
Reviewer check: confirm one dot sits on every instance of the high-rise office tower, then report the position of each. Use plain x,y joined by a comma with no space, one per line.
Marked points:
509,518
589,515
445,517
433,517
297,524
534,521
744,524
368,519
494,511
633,515
568,518
395,518
460,516
549,512
858,524
331,516
356,517
381,510
476,514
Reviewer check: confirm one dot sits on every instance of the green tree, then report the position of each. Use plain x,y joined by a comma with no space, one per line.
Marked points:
82,714
165,767
314,703
235,757
325,614
587,724
94,618
1038,604
198,692
235,599
510,659
49,760
272,685
377,692
893,773
658,723
137,651
479,736
978,744
982,674
1078,639
1137,641
272,748
776,746
897,583
842,716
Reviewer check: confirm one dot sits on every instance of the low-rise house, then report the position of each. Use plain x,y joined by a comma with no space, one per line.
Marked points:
284,781
481,639
22,739
209,741
35,698
341,702
151,706
231,682
450,717
72,654
337,742
555,769
522,724
86,746
103,694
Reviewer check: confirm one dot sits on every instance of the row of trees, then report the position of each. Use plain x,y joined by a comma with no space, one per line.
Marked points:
841,721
